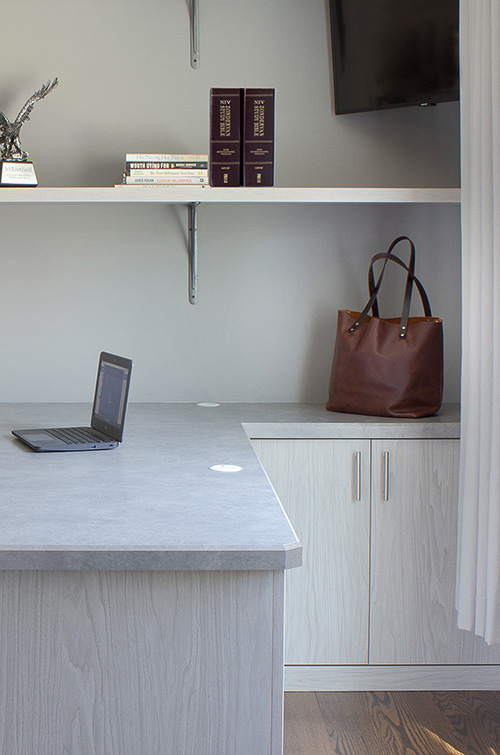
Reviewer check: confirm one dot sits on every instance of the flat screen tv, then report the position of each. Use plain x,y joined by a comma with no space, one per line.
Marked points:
394,53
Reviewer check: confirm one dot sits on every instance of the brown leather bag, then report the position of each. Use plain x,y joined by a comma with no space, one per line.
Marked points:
389,367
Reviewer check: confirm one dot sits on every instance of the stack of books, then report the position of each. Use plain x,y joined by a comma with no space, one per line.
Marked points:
156,169
241,137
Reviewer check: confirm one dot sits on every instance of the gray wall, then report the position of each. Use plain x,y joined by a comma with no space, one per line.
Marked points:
76,279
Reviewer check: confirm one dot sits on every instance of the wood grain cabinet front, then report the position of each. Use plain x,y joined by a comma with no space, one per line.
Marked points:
414,519
324,487
378,522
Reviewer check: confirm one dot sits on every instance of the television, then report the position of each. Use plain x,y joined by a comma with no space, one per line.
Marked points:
394,53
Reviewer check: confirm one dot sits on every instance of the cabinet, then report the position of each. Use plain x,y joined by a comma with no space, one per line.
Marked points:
378,521
413,556
325,489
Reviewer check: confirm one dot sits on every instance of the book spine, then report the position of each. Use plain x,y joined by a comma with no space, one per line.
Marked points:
225,137
154,158
156,180
258,137
179,165
168,173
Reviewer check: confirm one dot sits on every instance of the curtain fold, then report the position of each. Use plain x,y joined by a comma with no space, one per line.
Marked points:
478,571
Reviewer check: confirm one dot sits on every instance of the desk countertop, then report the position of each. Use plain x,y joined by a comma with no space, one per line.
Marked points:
154,503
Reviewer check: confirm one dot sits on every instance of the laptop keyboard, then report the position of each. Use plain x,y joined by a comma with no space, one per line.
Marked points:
76,435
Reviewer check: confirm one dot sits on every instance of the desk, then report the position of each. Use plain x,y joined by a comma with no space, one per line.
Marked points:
141,593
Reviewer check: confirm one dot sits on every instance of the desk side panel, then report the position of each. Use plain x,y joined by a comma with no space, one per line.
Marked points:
121,663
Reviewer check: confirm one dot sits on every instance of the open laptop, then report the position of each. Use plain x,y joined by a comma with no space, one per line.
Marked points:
108,414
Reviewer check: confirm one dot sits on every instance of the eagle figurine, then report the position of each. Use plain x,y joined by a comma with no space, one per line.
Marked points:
10,146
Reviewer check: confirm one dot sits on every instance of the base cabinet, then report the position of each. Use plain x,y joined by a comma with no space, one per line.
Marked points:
378,522
414,523
324,487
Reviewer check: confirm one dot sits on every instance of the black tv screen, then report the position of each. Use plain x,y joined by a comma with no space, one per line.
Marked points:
394,53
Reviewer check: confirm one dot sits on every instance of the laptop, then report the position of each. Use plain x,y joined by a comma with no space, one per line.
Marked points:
108,414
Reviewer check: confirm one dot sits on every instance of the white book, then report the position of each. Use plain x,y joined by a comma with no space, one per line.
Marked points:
165,158
158,180
168,172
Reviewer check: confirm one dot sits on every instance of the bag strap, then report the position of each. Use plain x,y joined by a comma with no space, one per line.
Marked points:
411,265
410,280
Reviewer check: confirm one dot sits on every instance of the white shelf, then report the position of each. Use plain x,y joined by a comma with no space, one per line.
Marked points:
208,194
192,196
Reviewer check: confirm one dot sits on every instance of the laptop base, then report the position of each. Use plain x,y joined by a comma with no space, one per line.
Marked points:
44,441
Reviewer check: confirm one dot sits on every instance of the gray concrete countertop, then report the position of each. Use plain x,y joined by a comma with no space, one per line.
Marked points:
313,421
154,503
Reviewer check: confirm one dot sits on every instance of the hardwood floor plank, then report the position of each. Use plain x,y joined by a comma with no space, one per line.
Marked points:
305,726
349,721
415,725
474,720
392,723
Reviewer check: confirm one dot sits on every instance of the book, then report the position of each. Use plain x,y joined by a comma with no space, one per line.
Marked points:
168,185
225,137
165,169
152,158
258,137
156,180
169,173
194,165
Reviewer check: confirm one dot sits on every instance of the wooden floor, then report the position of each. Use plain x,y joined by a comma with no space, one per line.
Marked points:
392,723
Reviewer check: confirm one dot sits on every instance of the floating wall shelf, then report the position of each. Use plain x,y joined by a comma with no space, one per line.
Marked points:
201,194
194,196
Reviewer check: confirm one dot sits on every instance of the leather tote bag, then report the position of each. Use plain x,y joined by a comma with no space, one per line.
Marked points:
388,367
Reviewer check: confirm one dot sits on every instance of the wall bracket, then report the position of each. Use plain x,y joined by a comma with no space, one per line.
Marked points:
195,34
193,252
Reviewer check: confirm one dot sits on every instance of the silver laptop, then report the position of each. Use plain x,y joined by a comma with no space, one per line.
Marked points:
108,414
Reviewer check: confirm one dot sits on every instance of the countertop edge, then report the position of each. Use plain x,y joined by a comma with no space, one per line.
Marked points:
374,431
445,424
240,558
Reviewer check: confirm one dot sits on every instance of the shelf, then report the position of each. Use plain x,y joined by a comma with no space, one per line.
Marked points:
193,196
201,194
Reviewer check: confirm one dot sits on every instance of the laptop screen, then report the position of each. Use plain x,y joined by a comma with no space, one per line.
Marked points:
111,393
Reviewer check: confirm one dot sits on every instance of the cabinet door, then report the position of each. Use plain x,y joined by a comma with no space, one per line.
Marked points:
413,559
324,488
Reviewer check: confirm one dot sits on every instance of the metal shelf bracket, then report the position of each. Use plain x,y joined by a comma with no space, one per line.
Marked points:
195,34
193,251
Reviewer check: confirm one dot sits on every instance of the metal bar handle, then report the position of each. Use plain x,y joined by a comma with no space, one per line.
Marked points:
386,475
358,475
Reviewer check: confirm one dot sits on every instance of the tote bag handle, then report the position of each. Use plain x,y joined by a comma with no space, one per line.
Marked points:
411,265
410,280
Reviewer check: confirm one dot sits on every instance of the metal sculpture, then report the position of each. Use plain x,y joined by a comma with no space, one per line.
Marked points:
10,145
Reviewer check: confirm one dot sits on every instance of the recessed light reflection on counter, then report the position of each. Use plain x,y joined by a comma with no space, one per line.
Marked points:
226,468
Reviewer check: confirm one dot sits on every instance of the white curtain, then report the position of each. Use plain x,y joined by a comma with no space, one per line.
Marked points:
478,575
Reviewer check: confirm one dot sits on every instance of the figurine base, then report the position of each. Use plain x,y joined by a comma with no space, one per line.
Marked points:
17,173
